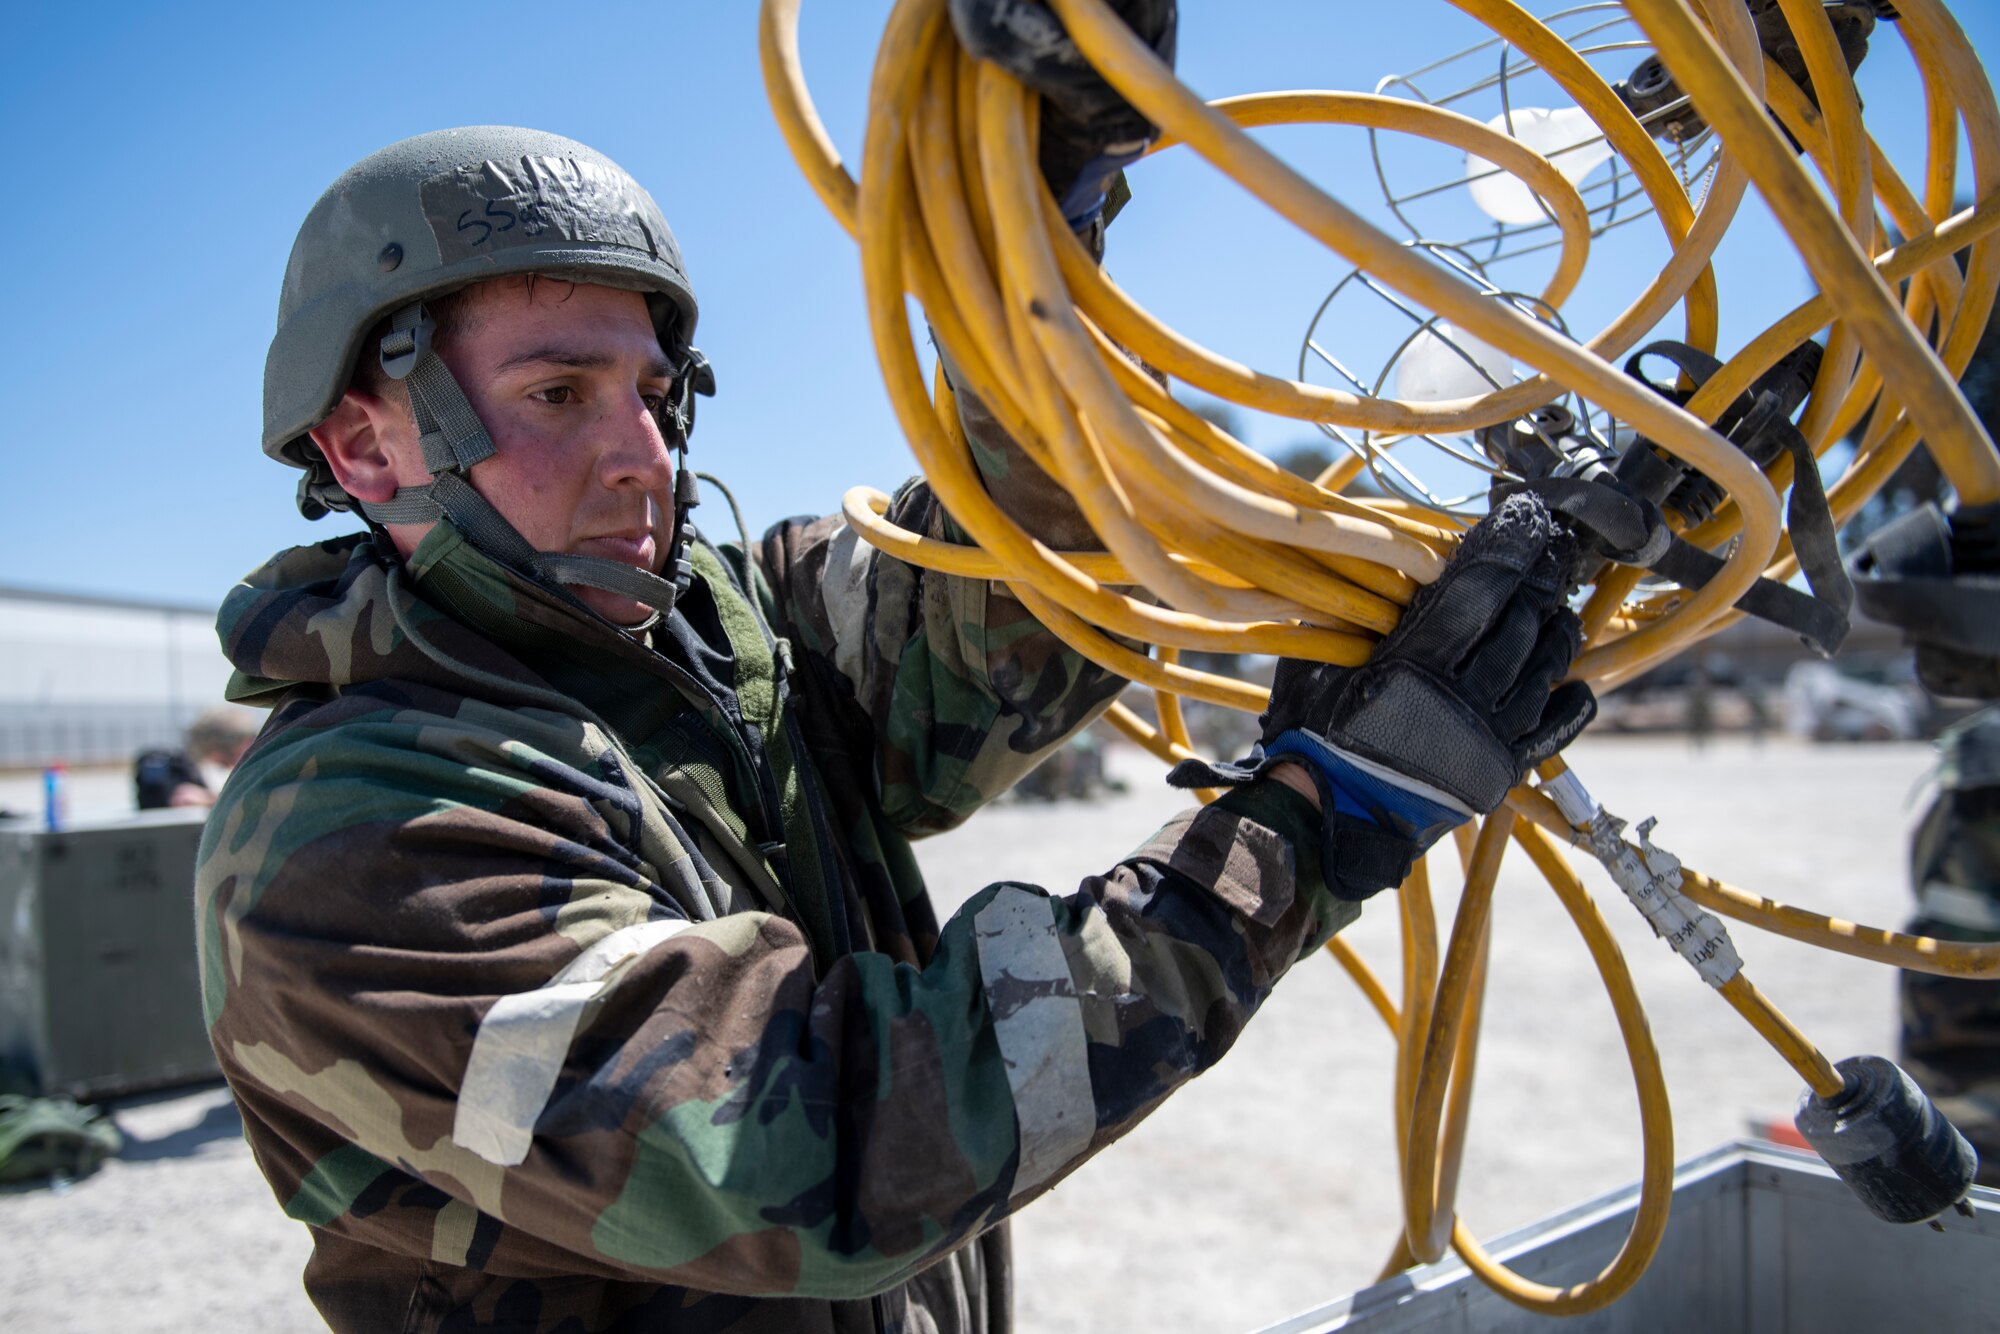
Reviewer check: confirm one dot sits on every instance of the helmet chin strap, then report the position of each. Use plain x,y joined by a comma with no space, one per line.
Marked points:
454,440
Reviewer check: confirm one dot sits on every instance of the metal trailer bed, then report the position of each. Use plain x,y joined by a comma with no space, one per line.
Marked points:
1761,1239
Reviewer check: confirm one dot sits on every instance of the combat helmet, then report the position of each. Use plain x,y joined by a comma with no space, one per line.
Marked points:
430,215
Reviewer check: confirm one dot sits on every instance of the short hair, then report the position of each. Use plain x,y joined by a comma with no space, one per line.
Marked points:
221,731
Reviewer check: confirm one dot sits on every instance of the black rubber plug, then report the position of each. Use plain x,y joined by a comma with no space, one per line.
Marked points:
1889,1142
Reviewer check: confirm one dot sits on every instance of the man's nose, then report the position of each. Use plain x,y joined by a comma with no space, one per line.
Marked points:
635,451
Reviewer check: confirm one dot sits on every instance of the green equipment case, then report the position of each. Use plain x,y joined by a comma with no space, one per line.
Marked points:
99,993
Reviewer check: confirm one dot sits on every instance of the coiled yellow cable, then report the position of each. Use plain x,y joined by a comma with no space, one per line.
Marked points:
1209,546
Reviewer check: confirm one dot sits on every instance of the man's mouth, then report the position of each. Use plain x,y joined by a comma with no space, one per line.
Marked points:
635,549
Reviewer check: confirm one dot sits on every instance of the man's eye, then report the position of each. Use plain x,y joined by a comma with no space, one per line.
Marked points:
560,393
653,402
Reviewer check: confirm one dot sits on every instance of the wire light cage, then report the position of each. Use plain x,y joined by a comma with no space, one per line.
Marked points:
1479,220
1496,167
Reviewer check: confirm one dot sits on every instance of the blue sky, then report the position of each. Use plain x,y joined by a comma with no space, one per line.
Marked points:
165,156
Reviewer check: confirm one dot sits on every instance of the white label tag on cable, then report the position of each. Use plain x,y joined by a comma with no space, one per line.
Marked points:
1567,791
1651,879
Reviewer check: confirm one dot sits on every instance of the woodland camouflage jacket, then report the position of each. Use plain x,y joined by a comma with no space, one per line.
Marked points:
568,983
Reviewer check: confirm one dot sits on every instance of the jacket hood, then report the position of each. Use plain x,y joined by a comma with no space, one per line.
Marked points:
349,611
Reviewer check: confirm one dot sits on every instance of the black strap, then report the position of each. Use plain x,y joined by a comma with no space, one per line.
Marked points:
1809,520
1759,422
1752,418
1632,531
1818,622
1623,527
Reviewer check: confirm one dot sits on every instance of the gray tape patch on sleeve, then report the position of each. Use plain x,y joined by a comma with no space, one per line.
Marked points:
1039,1024
523,1040
1248,867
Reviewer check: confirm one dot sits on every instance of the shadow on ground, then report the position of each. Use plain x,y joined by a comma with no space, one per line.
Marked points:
219,1121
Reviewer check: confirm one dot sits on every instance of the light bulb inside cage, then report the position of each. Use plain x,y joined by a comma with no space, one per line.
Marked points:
1420,359
1566,136
1465,201
1443,363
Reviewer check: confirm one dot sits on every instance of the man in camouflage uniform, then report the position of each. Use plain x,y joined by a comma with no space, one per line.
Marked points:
560,935
1934,572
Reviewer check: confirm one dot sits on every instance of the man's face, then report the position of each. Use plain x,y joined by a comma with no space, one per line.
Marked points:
568,382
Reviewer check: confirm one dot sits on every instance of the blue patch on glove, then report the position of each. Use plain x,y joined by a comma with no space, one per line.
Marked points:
1369,796
1085,198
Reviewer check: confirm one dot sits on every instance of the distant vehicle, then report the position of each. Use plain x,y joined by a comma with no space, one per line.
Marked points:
1824,703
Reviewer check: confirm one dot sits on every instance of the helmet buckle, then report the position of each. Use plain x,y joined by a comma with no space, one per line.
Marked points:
698,373
694,377
407,342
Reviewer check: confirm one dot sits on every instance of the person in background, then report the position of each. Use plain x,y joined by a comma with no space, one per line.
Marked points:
1951,1025
192,776
1700,705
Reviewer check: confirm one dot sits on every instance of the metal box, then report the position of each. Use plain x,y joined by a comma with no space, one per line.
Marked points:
1760,1239
99,989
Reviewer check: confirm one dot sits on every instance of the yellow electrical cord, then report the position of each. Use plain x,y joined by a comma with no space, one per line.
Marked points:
1210,546
1922,954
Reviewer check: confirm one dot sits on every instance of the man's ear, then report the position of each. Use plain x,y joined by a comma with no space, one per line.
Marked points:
358,438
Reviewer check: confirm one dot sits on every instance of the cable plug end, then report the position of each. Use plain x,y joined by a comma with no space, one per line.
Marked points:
1889,1142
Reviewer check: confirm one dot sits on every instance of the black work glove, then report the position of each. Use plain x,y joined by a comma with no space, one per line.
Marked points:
1089,132
1936,577
1449,712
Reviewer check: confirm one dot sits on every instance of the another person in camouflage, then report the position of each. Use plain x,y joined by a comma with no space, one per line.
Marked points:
560,934
190,776
1951,1025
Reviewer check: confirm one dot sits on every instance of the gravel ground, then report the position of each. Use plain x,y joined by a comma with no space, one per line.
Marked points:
1264,1188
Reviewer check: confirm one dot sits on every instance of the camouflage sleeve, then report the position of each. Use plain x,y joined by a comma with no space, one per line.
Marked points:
1951,1025
961,689
465,1023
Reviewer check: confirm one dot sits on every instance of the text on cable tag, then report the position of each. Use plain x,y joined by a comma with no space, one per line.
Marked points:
1651,879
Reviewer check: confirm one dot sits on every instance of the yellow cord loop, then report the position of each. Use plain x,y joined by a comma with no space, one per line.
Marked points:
1210,546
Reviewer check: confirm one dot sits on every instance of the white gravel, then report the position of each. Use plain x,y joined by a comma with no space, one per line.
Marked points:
1268,1186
